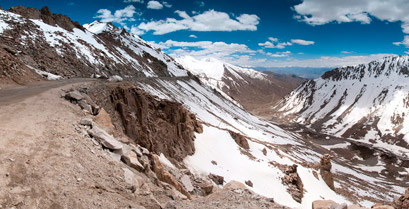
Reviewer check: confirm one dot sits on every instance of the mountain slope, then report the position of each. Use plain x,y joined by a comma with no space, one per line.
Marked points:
234,144
53,43
256,91
368,102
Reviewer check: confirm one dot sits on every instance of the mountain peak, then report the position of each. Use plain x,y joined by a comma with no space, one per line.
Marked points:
47,17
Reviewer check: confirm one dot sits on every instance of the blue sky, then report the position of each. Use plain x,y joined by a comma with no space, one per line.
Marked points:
310,33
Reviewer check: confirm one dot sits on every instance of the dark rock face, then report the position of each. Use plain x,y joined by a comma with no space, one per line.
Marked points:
47,17
325,170
161,126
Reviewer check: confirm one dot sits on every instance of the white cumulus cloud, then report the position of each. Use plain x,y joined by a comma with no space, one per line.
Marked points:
275,43
119,16
405,42
210,20
302,42
319,12
154,5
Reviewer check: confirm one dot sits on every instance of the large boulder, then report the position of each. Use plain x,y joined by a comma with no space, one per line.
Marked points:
105,139
324,204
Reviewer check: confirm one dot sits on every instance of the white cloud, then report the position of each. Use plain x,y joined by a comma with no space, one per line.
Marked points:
405,42
136,31
279,54
154,5
319,12
119,16
193,36
166,4
201,49
346,52
133,1
302,42
274,43
207,21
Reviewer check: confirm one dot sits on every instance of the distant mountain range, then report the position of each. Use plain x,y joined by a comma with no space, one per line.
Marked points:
303,72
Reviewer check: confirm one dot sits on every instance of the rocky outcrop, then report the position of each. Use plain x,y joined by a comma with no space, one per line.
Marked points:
402,202
161,126
47,17
325,170
293,181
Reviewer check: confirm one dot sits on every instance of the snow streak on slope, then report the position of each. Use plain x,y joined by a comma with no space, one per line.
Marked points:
105,49
235,163
369,102
215,71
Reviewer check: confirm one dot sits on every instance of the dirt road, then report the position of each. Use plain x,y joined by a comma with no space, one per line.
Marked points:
47,160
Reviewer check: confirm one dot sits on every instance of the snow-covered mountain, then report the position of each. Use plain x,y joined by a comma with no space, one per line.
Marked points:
255,90
368,103
234,144
55,44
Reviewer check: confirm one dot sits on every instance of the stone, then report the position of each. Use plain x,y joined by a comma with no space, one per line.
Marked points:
105,139
131,159
386,207
86,122
85,106
115,156
249,183
234,185
323,204
187,183
74,96
341,206
166,177
104,120
355,206
207,188
219,180
264,151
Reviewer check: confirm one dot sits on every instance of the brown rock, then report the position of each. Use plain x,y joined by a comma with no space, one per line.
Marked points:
264,151
323,204
325,170
219,180
293,181
104,120
131,159
249,183
402,202
240,140
207,188
166,177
